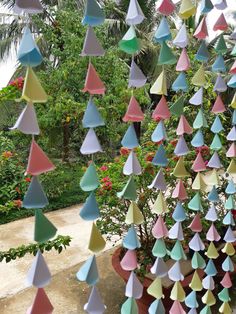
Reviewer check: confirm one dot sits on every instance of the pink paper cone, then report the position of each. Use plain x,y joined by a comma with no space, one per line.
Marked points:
220,24
226,281
231,152
41,304
218,106
129,261
212,234
161,111
134,112
196,225
183,63
179,191
199,163
93,83
177,308
201,31
233,68
38,161
159,230
183,126
166,7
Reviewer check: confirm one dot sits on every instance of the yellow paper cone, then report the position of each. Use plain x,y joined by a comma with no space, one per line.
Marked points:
187,9
212,251
233,102
134,215
228,249
180,170
160,86
155,289
199,77
232,167
199,183
196,283
33,90
159,206
213,178
177,292
209,298
225,308
96,241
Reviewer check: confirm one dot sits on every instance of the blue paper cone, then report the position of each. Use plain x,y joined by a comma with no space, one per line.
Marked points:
130,139
92,117
93,14
180,83
219,64
160,157
89,271
90,210
131,241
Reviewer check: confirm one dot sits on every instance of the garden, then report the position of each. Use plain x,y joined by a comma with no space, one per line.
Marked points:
136,108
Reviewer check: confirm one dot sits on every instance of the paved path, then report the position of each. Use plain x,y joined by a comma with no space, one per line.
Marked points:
68,222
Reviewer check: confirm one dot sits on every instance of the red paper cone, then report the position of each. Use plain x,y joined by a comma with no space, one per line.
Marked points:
41,305
161,111
93,83
134,112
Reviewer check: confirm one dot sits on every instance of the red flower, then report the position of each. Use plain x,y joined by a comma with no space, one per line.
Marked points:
17,203
174,142
7,154
104,168
234,213
149,156
105,179
17,190
124,151
27,179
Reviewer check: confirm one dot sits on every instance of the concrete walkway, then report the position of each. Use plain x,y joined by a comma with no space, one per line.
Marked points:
14,234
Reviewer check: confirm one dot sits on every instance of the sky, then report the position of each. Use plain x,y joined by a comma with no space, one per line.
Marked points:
7,66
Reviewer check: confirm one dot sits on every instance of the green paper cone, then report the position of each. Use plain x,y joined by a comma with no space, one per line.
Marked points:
224,295
200,120
129,191
177,253
230,204
89,181
216,143
178,107
166,56
195,203
129,307
43,228
159,248
198,261
130,43
155,289
221,47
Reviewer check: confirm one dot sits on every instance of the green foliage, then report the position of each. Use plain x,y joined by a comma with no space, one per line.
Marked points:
59,244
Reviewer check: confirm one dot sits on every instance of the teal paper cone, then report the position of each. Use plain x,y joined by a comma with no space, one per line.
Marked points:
219,64
166,56
163,31
195,203
202,53
90,210
221,45
159,248
159,133
130,43
35,196
213,195
89,181
210,269
206,310
44,230
230,189
230,204
177,252
198,261
89,272
180,83
129,190
217,126
129,307
198,139
177,108
224,295
216,143
93,14
200,120
232,82
156,307
130,139
206,6
191,300
234,118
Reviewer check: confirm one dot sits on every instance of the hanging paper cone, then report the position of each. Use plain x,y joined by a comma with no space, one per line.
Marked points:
220,4
196,283
177,252
206,6
200,120
96,241
214,162
166,7
221,45
136,77
220,85
93,14
176,231
134,112
177,292
178,107
35,196
226,281
212,234
209,298
175,273
134,215
131,241
225,308
160,157
187,9
220,24
28,53
92,117
183,63
130,139
177,308
181,147
201,31
219,64
202,53
130,306
166,56
229,249
213,196
231,136
91,45
198,139
159,230
158,182
160,85
161,111
38,274
44,230
199,183
90,144
134,288
90,210
208,283
95,303
129,261
183,126
159,268
93,83
156,307
89,272
28,6
198,261
218,106
159,248
27,121
180,83
179,191
132,165
232,82
180,170
231,152
216,143
135,15
197,98
181,39
130,43
199,77
163,31
159,206
155,289
129,191
32,90
196,225
159,134
195,203
196,243
89,181
199,163
41,304
38,162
